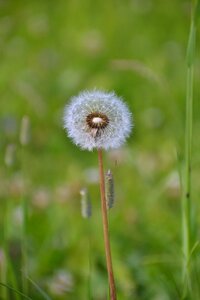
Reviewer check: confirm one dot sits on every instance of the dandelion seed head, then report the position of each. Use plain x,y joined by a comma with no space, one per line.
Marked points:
95,119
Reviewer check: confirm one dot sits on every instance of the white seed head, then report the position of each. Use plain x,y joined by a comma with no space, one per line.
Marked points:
95,119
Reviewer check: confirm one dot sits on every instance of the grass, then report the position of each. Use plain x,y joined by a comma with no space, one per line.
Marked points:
50,52
188,238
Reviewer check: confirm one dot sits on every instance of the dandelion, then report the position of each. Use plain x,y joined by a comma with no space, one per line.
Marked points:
99,120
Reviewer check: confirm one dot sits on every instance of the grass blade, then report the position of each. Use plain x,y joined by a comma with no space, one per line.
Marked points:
39,289
15,291
186,197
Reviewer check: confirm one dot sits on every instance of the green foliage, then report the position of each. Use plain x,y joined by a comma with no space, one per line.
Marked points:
49,52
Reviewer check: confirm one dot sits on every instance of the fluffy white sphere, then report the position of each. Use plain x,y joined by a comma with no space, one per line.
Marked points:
95,119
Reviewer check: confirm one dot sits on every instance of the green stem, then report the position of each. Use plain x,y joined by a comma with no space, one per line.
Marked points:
187,193
186,199
7,272
89,260
24,263
4,271
24,248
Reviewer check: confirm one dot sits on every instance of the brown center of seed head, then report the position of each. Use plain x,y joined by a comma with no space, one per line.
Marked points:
97,120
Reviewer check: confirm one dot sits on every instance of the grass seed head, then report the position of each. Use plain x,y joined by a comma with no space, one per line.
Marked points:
86,206
110,196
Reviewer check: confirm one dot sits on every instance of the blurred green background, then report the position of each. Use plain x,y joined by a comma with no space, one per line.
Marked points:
50,51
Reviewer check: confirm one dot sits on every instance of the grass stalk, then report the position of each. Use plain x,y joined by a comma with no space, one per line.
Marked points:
8,273
4,271
24,260
24,140
89,261
113,295
39,289
24,247
6,257
10,288
186,198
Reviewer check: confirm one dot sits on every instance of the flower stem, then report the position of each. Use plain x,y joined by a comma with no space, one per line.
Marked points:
113,295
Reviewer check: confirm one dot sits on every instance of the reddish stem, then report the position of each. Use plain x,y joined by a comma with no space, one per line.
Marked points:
113,295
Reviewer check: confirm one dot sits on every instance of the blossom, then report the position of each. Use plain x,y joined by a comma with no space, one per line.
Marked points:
96,119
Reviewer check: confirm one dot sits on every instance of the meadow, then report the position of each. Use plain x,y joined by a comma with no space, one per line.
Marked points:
49,52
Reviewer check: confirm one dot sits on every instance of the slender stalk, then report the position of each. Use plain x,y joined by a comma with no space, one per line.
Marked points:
4,270
7,271
113,295
186,199
24,262
24,140
24,248
89,261
6,257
